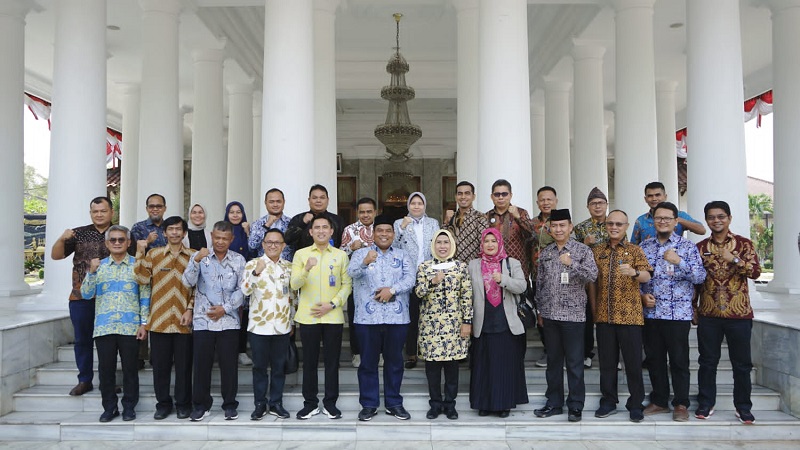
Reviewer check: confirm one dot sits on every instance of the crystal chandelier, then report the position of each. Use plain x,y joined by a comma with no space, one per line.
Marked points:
398,133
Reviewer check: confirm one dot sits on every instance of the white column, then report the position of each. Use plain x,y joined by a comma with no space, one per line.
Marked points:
537,146
665,114
589,154
717,165
467,118
556,138
129,206
160,142
635,155
209,157
240,146
786,141
12,88
325,97
504,128
288,122
77,133
258,190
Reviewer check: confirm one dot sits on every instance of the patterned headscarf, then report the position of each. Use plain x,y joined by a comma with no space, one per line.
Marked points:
491,264
452,246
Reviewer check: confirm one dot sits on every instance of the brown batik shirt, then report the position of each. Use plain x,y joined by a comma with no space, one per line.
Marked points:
516,235
87,244
725,294
618,301
467,232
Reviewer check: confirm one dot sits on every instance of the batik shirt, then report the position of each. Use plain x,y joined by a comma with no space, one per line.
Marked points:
645,227
217,284
87,244
590,227
672,285
122,304
271,299
140,231
725,293
357,232
559,300
393,269
541,239
516,235
169,298
258,230
618,300
467,232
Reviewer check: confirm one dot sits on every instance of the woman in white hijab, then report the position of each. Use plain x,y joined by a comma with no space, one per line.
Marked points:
197,237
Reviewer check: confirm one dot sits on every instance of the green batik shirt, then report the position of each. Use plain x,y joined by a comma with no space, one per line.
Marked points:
590,227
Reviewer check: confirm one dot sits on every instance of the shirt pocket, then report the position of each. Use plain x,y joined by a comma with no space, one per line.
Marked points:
229,281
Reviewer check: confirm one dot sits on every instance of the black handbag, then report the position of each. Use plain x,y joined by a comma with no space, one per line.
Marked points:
292,360
525,310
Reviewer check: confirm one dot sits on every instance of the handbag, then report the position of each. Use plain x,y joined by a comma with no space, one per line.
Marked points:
525,310
292,361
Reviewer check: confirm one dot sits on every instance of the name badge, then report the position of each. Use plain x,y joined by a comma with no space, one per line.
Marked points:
332,281
564,277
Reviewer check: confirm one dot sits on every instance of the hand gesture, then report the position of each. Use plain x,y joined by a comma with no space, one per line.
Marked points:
260,266
589,240
438,278
497,277
383,295
627,270
448,215
648,301
307,218
215,312
310,263
202,253
727,255
405,222
152,237
246,227
270,220
320,309
514,211
671,257
94,264
67,234
355,245
141,246
565,259
372,255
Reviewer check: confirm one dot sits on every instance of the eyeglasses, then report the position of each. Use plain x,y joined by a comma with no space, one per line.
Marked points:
500,194
155,206
663,219
598,203
273,243
720,217
615,224
117,240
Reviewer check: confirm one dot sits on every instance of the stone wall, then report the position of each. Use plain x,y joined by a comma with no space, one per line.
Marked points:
776,354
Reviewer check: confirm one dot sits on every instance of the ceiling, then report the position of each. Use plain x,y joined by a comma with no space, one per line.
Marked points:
364,40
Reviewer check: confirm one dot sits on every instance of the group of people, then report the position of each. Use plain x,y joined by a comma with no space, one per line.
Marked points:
440,294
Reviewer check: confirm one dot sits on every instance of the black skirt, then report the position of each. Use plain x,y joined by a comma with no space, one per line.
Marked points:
498,372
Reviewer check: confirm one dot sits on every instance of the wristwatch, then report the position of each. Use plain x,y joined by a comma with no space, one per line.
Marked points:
736,260
392,291
636,275
333,305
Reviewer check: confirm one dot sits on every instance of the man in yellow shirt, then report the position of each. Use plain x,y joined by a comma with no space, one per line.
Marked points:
319,272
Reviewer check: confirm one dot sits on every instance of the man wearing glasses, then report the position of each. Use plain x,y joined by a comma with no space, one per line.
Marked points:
667,298
644,228
150,229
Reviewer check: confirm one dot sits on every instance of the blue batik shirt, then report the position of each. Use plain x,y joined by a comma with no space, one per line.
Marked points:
672,285
393,269
218,283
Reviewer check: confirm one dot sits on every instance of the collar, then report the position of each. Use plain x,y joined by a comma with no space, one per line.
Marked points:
728,237
328,249
126,261
380,252
596,222
214,255
542,219
150,223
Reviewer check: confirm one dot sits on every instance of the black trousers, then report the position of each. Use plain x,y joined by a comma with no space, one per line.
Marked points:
611,339
433,371
668,338
355,346
223,344
330,336
167,349
413,326
244,316
564,343
127,347
588,333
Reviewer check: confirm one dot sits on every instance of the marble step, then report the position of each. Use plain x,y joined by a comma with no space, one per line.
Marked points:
65,373
54,398
520,425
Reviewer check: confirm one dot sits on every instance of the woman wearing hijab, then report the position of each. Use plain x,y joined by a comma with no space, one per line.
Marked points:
197,237
235,215
497,383
445,292
413,234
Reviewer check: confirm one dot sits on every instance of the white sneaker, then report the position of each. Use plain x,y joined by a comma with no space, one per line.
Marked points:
587,362
356,361
245,360
380,361
542,362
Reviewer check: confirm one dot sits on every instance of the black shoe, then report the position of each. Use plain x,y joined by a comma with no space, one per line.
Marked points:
483,413
636,415
399,412
433,412
451,413
162,413
367,414
128,415
504,413
108,416
606,410
231,414
184,413
278,411
332,412
199,414
575,415
259,413
141,364
307,412
547,411
411,363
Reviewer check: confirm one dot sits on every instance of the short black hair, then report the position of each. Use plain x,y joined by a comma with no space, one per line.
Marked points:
619,211
471,186
101,199
275,230
154,195
501,182
364,200
174,220
322,216
274,190
668,205
223,226
318,187
547,188
717,204
654,185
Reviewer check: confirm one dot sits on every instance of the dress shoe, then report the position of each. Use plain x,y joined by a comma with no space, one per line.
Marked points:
652,409
398,412
411,363
433,412
680,414
483,413
128,415
547,411
162,413
367,414
81,388
108,416
451,413
575,415
504,413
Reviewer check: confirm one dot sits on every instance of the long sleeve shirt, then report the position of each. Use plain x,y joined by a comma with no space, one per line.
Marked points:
356,232
725,293
618,300
672,285
271,299
393,269
163,271
217,283
140,231
516,235
259,228
555,298
467,232
122,304
297,232
327,281
590,227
